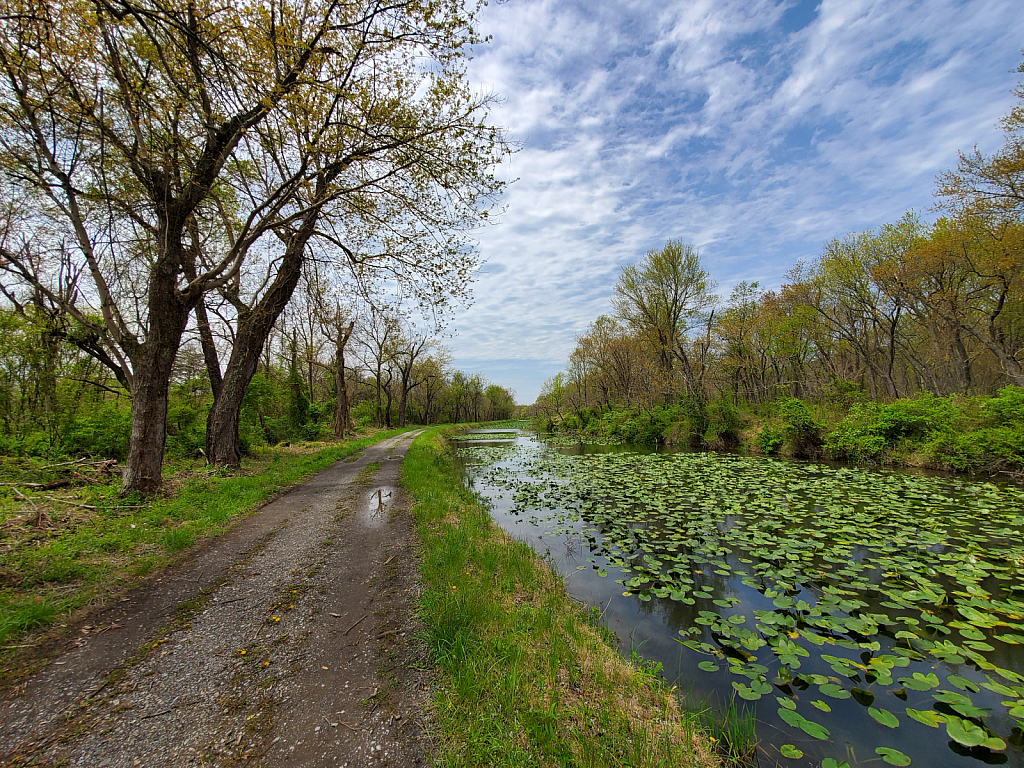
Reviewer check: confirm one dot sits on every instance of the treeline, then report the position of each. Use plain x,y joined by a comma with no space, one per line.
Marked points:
908,310
321,375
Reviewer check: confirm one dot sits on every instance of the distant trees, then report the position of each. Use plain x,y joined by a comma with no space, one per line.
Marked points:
56,400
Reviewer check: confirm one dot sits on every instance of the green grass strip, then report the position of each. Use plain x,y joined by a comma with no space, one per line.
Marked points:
525,677
113,542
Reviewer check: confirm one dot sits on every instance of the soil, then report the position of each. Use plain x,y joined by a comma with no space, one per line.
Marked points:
289,641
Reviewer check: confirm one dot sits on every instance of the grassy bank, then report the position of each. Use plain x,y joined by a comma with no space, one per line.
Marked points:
957,433
64,549
525,676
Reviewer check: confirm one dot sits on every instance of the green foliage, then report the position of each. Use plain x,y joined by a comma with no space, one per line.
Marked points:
1006,408
800,431
988,448
965,434
770,439
100,430
364,413
724,423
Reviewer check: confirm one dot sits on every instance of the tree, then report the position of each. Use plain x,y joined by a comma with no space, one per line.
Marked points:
971,273
433,371
990,186
663,299
409,352
139,127
379,338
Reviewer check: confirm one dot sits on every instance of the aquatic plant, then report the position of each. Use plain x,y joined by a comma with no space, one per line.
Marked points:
816,585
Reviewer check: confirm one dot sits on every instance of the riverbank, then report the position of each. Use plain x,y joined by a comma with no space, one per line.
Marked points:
525,676
72,548
975,434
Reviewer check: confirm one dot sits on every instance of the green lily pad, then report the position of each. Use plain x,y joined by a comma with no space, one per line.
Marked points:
928,716
788,750
834,691
809,727
884,716
892,756
970,735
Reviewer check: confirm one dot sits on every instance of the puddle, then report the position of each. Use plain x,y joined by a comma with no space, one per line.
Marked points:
376,505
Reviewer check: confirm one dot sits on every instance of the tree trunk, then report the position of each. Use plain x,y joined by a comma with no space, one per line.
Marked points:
401,404
149,430
153,361
387,410
223,447
341,425
153,364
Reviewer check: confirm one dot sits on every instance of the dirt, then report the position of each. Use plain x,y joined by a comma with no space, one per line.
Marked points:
289,641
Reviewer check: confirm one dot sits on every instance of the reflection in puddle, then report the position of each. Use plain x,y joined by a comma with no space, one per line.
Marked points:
376,506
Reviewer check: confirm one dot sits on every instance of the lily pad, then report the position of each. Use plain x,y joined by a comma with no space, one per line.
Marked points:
788,750
892,756
884,716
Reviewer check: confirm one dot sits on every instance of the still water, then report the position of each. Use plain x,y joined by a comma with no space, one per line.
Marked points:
857,615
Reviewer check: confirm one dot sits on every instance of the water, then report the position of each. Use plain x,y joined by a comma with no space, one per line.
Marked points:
895,573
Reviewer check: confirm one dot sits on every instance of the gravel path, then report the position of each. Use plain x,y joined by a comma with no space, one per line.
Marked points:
289,641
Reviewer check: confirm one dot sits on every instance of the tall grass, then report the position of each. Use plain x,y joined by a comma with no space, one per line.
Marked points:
525,679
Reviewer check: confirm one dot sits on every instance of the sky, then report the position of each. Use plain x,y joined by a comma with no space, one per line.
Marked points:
755,130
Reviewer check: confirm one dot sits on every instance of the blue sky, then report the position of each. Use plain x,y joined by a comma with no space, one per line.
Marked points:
755,130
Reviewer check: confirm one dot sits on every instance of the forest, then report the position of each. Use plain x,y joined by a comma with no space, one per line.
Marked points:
900,344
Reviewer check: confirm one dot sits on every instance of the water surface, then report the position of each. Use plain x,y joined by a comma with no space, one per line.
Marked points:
851,611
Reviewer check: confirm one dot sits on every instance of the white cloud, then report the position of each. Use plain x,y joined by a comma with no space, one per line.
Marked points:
721,123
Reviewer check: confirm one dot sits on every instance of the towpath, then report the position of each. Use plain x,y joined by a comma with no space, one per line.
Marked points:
289,641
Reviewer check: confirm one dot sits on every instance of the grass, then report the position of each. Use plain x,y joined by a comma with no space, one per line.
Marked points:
524,676
63,550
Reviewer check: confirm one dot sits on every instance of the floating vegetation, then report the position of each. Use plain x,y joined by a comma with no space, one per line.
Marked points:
486,435
509,424
815,588
563,439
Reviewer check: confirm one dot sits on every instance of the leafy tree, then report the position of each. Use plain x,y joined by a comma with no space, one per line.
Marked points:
663,299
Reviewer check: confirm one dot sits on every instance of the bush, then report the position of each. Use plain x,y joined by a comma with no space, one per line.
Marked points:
849,442
724,423
646,429
102,431
876,431
770,439
363,413
988,449
800,430
1006,408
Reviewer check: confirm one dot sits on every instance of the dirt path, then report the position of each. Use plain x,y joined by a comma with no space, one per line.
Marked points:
288,641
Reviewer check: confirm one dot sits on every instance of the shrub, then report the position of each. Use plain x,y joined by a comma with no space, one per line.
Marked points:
1006,408
849,442
800,430
770,439
871,431
724,423
102,431
988,449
